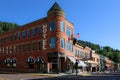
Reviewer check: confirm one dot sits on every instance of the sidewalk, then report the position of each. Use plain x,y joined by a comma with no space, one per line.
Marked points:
61,74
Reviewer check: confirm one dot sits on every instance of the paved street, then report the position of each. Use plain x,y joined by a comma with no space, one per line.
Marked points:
36,76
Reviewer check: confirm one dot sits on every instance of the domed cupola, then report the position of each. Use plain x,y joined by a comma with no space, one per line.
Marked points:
56,10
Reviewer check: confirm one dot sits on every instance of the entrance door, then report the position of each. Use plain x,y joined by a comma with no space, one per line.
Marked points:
39,66
54,67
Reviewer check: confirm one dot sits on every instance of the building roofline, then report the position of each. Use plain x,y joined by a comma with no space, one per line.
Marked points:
23,26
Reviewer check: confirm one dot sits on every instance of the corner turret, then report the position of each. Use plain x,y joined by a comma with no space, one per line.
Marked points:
56,10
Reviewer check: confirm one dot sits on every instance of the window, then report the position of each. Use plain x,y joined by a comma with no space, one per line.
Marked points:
14,49
40,45
28,33
61,26
23,48
23,34
97,60
52,26
7,39
1,50
62,42
28,47
68,31
81,54
1,41
52,42
6,50
15,36
11,37
33,46
8,65
68,46
39,30
18,49
10,49
93,59
18,35
33,32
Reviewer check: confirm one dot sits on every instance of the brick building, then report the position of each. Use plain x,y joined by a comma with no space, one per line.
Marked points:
41,46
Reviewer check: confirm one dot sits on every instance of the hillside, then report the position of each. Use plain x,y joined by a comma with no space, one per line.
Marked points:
6,26
113,54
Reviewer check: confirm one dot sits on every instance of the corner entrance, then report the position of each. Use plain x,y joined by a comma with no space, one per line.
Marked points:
55,59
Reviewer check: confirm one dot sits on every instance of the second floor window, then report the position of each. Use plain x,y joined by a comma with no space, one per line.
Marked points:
14,49
6,50
52,26
33,46
23,48
18,49
28,47
52,42
10,50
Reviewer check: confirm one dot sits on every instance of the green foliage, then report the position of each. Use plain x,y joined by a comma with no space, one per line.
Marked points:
113,54
5,26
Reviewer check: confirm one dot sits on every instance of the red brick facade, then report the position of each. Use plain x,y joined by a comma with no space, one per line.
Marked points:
12,48
42,45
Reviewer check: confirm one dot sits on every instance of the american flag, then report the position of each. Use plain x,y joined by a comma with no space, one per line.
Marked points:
77,35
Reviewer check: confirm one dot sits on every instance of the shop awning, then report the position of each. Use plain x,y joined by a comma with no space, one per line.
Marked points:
72,59
81,63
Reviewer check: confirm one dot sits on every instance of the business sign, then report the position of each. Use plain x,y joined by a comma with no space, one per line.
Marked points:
44,36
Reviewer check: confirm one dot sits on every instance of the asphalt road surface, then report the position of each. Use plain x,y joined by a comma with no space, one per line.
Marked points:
111,76
37,76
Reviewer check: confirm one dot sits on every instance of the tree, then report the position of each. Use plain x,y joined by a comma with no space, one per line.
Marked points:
5,26
113,54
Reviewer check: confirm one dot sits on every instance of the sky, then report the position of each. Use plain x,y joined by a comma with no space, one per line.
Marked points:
97,21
